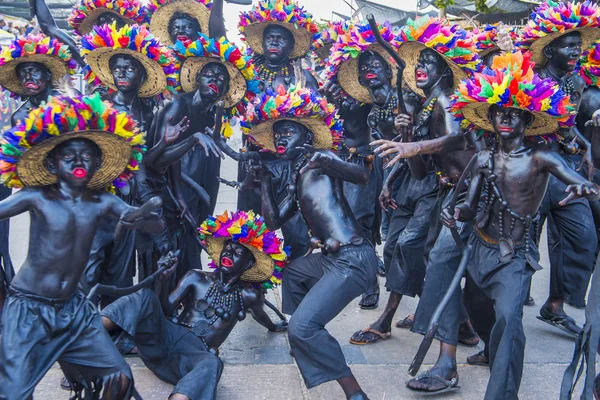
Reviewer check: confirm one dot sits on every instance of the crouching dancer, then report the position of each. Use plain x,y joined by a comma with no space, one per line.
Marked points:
516,104
65,154
303,128
250,259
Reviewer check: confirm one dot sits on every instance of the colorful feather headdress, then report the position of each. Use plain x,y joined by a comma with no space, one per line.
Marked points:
160,13
343,62
243,85
511,82
324,39
53,54
590,65
286,13
136,41
551,20
251,231
304,106
86,12
456,46
24,148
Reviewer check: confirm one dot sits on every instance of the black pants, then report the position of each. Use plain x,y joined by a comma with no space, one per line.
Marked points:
442,264
403,252
572,244
316,289
500,289
39,331
169,350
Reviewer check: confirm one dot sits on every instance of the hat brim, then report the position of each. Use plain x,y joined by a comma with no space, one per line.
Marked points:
91,20
348,75
8,72
99,61
263,132
477,113
588,36
193,65
263,266
159,23
324,52
116,153
302,37
410,52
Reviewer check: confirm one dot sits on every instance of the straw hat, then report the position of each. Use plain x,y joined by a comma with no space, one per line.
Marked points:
285,13
34,48
590,65
85,13
300,105
512,83
164,11
249,230
26,146
551,20
454,44
135,41
205,50
324,40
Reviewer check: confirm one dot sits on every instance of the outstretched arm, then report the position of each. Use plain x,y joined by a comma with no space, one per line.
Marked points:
18,203
222,143
216,23
335,167
275,215
256,308
170,301
40,9
141,218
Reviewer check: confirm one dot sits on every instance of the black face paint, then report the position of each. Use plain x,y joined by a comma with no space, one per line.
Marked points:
564,52
213,81
235,259
373,71
509,123
429,69
183,27
288,136
75,161
35,78
128,74
278,44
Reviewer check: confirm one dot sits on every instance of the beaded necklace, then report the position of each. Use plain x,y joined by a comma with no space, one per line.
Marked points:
268,75
216,305
506,242
384,114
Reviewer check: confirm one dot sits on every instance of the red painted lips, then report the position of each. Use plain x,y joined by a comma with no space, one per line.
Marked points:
79,173
226,262
280,149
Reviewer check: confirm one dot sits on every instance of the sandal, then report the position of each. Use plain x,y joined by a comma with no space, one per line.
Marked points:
447,385
405,323
380,268
478,359
359,337
369,300
562,322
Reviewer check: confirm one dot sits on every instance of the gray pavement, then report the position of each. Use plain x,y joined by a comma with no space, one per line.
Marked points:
258,365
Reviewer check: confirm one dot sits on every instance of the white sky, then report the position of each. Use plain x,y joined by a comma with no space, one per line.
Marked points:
319,8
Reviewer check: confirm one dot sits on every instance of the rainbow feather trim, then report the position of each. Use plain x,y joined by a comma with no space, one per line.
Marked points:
248,229
137,38
226,52
278,11
550,17
511,82
590,65
130,9
24,46
355,40
61,115
295,103
448,40
328,36
485,38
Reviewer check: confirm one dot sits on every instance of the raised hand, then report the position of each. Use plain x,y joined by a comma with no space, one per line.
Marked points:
318,160
208,144
173,131
579,191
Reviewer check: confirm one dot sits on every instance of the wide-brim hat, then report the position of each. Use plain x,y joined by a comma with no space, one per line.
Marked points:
99,61
324,51
116,153
263,132
91,19
543,124
410,51
159,22
263,266
302,37
8,72
588,36
348,75
237,83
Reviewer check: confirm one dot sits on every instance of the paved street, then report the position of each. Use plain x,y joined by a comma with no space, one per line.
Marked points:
258,364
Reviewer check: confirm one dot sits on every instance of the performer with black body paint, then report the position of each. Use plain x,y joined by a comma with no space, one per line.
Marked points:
64,174
304,129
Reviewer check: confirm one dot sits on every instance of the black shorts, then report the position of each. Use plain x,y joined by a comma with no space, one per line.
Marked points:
39,331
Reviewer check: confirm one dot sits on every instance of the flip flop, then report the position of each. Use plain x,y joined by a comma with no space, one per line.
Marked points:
405,323
378,335
478,359
367,299
449,385
380,268
561,322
